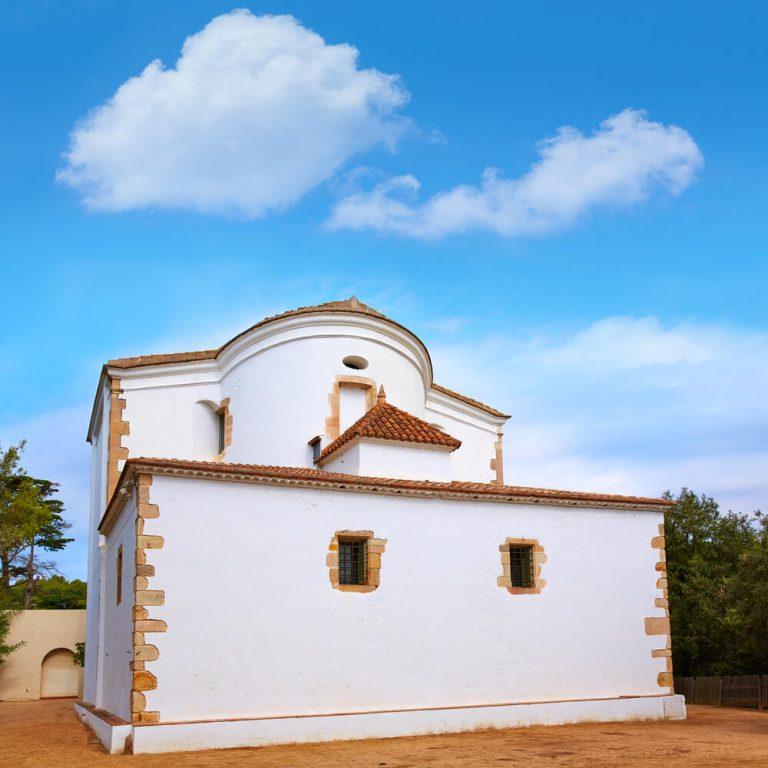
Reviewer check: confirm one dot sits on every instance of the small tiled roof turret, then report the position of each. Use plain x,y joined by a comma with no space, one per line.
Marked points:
385,422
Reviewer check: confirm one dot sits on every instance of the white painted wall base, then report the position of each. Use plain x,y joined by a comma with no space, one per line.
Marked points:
227,734
112,737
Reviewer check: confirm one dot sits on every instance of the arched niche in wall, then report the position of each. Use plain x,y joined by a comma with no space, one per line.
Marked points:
59,676
212,429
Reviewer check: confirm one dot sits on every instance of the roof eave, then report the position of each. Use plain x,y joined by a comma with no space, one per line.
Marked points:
96,403
472,405
291,477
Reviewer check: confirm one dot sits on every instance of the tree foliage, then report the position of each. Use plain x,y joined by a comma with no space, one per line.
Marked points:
6,616
52,593
31,522
717,568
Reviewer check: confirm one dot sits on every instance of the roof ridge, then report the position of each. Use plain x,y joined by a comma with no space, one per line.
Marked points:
352,304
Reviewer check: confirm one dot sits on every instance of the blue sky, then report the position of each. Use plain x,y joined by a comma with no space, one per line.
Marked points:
627,335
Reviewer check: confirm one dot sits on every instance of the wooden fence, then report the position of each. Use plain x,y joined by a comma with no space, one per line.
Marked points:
731,691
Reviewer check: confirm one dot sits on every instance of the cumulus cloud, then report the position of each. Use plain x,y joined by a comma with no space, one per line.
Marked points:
256,112
628,405
623,162
626,343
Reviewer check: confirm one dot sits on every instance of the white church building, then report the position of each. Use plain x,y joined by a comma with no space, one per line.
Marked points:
300,536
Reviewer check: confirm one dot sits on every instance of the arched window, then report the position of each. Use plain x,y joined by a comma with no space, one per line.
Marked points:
212,429
221,423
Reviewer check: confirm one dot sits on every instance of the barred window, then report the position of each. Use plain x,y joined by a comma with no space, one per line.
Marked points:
521,565
353,561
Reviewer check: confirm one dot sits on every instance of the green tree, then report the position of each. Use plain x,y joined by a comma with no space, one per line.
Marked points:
6,649
748,601
14,498
707,552
31,521
46,532
57,592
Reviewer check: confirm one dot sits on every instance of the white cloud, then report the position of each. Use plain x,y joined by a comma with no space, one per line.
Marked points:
627,405
626,343
256,112
622,163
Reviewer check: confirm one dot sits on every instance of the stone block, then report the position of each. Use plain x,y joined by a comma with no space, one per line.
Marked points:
149,625
657,625
144,681
145,653
150,597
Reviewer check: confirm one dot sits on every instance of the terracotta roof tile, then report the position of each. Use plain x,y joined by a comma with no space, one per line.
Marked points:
385,422
347,305
321,478
140,361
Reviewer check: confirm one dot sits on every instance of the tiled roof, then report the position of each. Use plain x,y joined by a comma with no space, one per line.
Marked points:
347,305
334,480
385,422
141,361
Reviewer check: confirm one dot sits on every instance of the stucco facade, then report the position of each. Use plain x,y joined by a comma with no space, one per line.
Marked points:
229,631
43,667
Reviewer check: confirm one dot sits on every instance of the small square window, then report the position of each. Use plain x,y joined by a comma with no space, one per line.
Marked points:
353,561
521,565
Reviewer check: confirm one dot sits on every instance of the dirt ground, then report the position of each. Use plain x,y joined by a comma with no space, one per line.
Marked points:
46,734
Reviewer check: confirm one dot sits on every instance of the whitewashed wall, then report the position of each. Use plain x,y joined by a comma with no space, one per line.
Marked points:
279,397
117,646
171,422
254,627
379,458
472,461
98,495
278,379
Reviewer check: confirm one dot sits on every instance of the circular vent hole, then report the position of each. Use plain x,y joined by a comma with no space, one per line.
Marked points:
355,362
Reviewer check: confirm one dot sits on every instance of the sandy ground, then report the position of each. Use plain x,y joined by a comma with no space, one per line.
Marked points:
46,734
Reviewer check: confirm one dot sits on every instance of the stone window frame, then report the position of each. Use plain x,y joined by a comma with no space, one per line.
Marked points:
333,422
539,558
374,550
223,411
